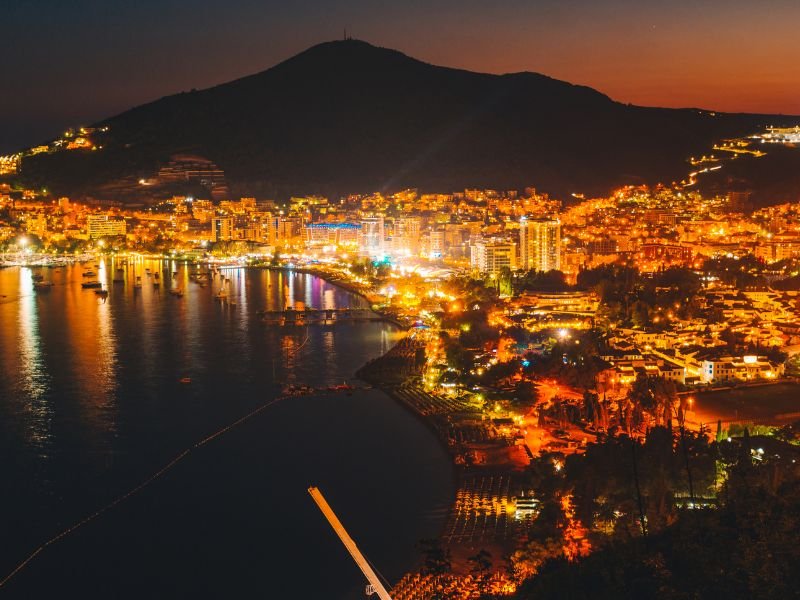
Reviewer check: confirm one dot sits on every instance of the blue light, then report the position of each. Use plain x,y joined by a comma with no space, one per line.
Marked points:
526,363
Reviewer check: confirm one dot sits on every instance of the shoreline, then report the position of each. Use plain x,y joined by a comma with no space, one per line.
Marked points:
344,285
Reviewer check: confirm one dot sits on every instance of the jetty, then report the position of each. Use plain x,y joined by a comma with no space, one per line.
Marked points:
320,316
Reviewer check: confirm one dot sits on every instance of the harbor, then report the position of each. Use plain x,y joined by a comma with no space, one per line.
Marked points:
131,402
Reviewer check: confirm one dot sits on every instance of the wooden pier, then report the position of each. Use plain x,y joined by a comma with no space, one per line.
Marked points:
320,316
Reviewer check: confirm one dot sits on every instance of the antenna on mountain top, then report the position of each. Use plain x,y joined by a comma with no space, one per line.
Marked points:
347,37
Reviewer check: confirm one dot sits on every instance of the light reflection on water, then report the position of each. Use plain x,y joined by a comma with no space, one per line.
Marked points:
34,379
81,359
91,403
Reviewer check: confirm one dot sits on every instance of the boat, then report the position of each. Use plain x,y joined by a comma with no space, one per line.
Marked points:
89,274
177,292
38,277
221,295
42,285
101,293
91,285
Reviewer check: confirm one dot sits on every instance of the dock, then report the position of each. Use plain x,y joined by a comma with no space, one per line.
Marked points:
319,316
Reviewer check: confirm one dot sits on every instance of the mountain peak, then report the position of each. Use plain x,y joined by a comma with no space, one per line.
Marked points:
347,116
350,52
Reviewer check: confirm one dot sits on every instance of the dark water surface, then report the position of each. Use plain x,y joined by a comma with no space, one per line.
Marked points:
91,404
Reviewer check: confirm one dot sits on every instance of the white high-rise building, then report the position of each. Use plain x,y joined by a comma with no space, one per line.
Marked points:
221,229
540,244
370,240
489,256
407,236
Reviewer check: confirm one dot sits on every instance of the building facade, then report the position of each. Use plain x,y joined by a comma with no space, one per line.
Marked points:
540,244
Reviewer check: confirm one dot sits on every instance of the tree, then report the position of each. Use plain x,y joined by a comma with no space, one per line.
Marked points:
504,281
276,258
481,562
435,559
525,392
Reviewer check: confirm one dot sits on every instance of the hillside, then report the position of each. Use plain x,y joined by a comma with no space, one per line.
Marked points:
346,117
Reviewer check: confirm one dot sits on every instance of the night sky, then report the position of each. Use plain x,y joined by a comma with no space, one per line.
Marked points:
71,62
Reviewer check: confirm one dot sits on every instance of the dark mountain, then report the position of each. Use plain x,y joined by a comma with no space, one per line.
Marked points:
771,179
347,117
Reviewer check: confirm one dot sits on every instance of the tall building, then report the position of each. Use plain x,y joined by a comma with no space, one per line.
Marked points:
435,244
487,256
264,226
406,236
221,229
740,202
102,225
540,244
289,230
371,239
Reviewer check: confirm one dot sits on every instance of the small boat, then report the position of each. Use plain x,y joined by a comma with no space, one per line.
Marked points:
42,285
38,277
177,292
89,274
91,285
101,293
221,295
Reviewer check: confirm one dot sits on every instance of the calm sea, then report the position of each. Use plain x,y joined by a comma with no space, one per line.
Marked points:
92,404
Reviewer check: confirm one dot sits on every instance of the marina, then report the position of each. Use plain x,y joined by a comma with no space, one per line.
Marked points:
214,366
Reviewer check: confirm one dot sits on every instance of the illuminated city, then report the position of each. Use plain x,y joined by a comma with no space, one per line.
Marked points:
556,388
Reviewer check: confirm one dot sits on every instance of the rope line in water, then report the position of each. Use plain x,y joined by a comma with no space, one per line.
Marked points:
135,490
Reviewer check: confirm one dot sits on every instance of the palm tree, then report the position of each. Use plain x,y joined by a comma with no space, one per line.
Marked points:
504,279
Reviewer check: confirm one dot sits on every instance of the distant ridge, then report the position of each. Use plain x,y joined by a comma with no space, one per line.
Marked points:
349,117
